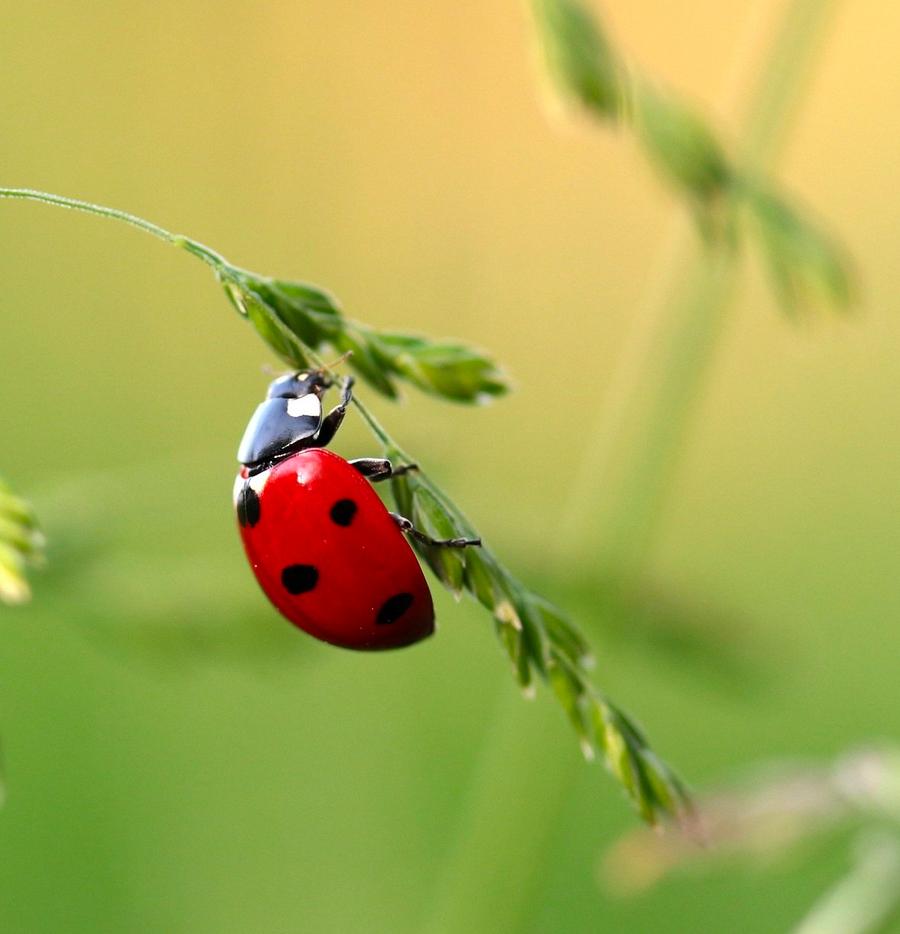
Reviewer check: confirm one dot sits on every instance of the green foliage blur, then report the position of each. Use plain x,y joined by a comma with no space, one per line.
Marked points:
178,758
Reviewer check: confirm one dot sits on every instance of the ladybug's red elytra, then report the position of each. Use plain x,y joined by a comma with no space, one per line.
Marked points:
323,546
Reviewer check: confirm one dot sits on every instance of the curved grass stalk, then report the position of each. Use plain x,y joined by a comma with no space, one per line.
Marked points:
297,320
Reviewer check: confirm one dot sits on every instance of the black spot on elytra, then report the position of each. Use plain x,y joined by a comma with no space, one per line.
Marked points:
343,511
299,578
248,506
393,608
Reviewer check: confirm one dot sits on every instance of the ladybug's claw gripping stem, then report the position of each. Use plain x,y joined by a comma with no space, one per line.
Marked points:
420,536
346,392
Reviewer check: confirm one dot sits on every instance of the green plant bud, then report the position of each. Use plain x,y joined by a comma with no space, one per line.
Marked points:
15,508
25,540
310,312
570,693
365,361
509,631
578,57
681,144
617,754
451,371
456,373
536,637
565,637
430,516
807,266
479,581
265,322
13,586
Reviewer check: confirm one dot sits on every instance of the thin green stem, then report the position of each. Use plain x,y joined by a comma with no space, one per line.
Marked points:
633,482
209,256
785,78
28,194
205,253
376,427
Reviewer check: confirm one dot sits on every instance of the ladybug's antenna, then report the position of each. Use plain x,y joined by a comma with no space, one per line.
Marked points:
326,369
271,370
341,359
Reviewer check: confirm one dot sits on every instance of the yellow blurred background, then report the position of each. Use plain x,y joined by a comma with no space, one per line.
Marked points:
179,759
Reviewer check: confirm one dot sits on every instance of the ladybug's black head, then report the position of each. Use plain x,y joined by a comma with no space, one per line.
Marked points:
296,385
288,420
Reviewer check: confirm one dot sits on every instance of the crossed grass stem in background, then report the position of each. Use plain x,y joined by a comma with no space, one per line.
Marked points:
298,321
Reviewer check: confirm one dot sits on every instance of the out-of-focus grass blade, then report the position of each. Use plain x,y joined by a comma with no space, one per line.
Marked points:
579,59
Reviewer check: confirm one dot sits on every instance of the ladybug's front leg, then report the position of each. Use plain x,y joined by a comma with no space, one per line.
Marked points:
420,536
333,419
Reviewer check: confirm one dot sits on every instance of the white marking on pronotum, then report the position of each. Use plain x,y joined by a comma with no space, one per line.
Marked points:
305,405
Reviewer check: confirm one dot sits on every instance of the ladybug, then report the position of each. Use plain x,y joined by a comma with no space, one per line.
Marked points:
323,546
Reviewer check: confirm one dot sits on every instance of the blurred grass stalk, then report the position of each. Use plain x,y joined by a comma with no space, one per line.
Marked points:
867,898
655,398
619,493
772,814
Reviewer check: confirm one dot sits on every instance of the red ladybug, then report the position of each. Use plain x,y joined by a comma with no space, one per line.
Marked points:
323,546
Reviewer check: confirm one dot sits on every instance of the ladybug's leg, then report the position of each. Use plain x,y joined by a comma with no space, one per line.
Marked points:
373,468
333,419
380,468
420,536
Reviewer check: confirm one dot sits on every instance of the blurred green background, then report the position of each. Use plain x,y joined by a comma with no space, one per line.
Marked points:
178,758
